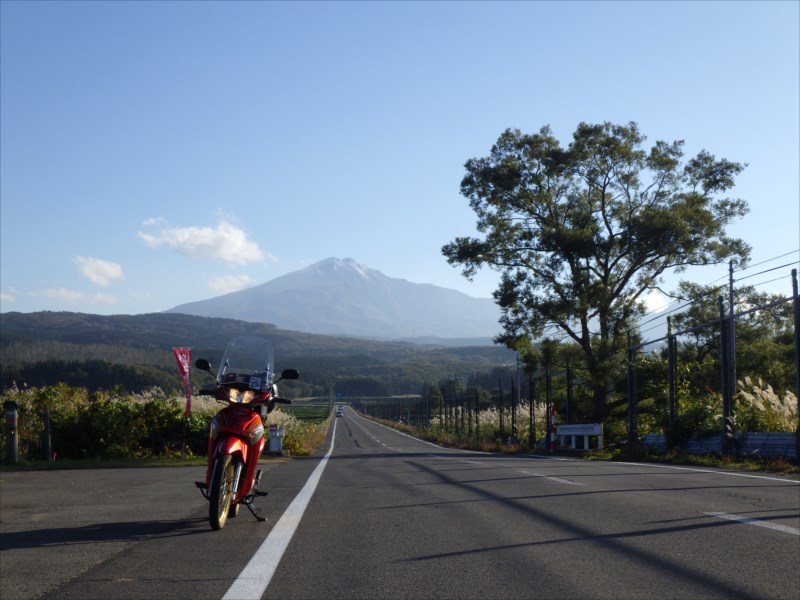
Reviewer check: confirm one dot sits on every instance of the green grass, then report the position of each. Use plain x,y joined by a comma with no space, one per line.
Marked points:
308,413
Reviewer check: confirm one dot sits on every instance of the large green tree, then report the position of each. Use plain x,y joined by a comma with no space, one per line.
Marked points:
580,234
764,338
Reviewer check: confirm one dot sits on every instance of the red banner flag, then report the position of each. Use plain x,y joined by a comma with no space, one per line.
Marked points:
184,358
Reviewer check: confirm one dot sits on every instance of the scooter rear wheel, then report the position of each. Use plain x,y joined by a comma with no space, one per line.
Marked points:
221,492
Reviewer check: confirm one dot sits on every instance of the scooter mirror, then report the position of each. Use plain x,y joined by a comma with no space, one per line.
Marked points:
202,364
290,374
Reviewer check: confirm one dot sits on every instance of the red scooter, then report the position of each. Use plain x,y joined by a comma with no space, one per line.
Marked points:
236,437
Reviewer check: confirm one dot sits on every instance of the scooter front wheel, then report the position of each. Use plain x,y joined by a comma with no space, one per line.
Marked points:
221,492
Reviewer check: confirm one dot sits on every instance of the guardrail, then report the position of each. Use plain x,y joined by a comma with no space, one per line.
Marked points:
753,444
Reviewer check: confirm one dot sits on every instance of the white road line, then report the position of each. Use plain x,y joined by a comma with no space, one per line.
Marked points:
419,440
255,577
556,479
749,521
625,464
698,470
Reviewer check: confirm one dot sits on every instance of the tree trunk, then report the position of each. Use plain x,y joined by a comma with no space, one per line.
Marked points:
599,396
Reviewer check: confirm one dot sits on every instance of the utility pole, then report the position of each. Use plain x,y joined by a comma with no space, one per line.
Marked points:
731,337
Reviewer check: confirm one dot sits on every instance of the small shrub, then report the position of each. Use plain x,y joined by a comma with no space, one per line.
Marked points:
759,408
301,438
104,424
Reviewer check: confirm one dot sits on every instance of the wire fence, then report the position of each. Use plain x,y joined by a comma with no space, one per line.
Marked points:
721,332
410,409
524,408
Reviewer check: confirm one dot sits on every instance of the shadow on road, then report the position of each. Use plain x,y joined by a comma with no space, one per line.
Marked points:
131,531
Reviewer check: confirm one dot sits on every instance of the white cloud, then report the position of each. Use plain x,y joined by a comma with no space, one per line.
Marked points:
226,243
99,272
7,297
101,298
655,301
63,294
153,221
230,283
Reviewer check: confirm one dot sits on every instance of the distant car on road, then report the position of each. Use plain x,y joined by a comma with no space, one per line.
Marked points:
339,412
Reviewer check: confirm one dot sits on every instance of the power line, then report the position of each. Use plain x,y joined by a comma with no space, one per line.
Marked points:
766,271
768,260
688,303
661,314
768,281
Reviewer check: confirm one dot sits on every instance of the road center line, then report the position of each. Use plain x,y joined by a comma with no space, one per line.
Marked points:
255,577
749,521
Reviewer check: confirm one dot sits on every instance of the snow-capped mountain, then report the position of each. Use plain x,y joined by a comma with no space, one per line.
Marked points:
343,297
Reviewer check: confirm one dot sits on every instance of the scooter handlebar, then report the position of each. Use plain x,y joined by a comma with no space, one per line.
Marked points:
281,401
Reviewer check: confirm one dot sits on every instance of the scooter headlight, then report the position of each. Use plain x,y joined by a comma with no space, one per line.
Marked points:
240,396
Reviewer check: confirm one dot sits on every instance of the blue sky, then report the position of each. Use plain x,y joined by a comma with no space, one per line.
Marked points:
156,153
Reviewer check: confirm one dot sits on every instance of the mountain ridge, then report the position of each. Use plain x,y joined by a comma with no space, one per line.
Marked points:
343,297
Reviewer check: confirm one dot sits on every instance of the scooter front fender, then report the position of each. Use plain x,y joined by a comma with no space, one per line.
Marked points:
231,444
228,444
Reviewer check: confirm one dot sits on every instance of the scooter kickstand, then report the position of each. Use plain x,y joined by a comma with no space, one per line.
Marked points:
254,512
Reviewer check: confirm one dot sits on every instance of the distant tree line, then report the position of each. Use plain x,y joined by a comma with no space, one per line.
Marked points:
133,354
93,375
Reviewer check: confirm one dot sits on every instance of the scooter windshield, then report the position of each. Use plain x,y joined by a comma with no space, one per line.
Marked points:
248,363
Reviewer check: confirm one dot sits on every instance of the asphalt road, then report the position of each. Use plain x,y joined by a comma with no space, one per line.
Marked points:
393,517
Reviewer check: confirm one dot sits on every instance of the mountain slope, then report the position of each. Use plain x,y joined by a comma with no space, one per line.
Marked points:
45,348
343,297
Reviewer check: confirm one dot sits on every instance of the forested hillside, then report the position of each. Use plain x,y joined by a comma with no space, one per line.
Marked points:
134,352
